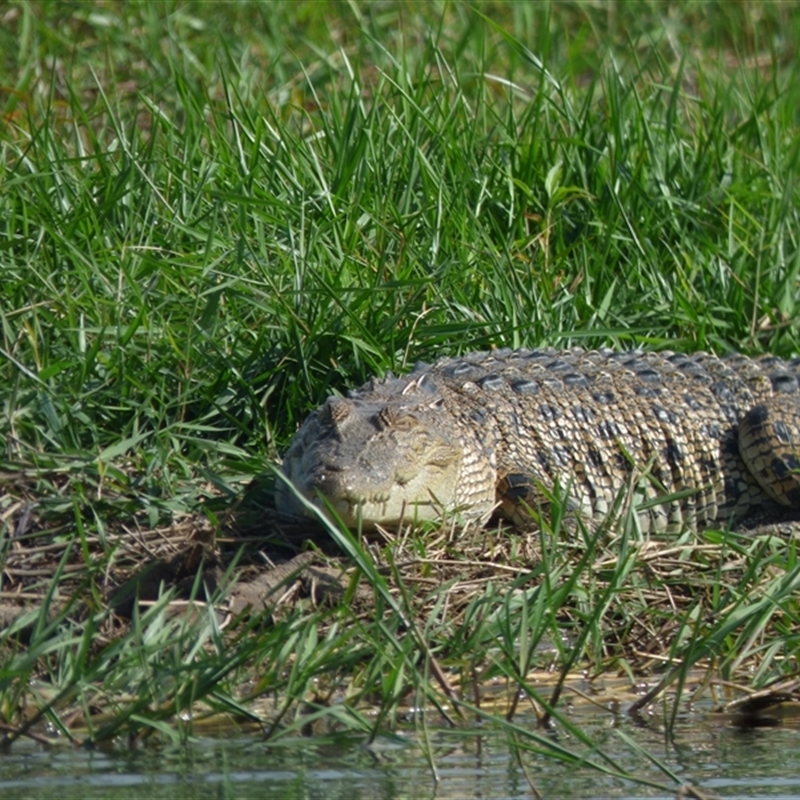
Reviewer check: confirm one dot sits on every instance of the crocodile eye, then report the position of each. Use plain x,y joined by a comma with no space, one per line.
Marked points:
335,411
396,418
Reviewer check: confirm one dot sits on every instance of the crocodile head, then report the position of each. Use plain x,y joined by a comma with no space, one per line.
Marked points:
389,453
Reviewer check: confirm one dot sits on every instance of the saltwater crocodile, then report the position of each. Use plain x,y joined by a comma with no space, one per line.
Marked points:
716,438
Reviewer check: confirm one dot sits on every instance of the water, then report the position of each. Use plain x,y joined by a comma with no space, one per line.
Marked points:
719,760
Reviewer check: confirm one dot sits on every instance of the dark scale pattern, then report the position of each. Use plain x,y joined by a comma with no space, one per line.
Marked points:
525,386
727,430
549,413
634,407
493,383
603,398
782,432
648,375
781,382
574,379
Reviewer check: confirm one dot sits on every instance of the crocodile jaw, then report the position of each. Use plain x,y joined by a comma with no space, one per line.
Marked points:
388,504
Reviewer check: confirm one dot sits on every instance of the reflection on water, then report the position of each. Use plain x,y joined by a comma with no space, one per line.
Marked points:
469,764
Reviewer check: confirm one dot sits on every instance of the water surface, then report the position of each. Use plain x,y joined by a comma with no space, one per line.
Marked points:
718,759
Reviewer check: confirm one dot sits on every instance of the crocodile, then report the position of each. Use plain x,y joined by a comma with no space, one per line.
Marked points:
697,440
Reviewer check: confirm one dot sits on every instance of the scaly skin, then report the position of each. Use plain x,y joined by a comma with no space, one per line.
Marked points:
497,431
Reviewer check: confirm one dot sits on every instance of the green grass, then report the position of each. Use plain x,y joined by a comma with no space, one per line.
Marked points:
214,215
